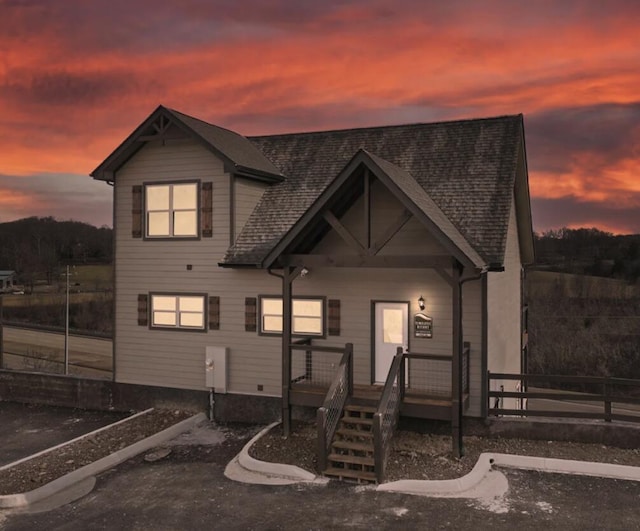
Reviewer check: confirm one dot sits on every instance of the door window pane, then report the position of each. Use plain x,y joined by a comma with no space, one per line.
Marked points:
392,326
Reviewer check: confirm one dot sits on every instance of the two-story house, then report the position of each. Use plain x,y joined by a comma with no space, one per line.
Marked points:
250,266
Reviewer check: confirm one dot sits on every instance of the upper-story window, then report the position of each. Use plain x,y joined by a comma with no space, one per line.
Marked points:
171,210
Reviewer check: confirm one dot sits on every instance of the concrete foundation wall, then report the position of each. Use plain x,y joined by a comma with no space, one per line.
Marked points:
84,393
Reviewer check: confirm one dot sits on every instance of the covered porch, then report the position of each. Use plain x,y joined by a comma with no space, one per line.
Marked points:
374,226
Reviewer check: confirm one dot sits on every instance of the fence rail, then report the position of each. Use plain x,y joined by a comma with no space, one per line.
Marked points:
56,329
314,365
48,360
564,403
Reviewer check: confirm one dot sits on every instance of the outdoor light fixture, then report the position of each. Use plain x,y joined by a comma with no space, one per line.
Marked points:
421,302
304,272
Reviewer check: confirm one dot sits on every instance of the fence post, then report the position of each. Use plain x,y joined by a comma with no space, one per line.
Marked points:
322,443
349,348
308,362
607,402
401,376
488,391
378,458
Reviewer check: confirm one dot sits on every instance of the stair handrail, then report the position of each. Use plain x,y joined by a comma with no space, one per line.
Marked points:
330,412
385,419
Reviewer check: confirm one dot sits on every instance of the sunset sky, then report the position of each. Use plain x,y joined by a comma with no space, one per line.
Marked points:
77,76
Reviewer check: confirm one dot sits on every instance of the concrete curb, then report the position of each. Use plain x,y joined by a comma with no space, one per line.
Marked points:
442,487
64,482
79,438
275,471
568,466
249,470
486,462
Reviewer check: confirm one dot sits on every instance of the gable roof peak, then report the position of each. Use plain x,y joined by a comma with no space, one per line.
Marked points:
240,156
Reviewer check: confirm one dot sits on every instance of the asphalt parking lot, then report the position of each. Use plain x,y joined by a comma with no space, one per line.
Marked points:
188,490
26,429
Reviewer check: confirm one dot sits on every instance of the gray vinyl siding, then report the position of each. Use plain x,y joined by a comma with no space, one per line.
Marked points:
165,357
504,307
246,195
176,358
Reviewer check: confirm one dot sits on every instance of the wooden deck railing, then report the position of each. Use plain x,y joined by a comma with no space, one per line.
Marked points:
330,412
563,401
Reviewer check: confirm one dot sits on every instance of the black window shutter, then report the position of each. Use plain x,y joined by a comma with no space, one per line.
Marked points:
143,309
334,317
136,211
214,313
206,210
250,304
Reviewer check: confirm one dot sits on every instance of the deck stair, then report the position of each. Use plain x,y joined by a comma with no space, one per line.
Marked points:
352,453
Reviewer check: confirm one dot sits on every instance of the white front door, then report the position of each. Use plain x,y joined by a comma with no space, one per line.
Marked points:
391,331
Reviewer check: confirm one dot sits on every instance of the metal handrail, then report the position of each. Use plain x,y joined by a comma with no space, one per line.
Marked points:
385,419
316,348
330,412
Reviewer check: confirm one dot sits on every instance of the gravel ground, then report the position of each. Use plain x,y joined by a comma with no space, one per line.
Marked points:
38,471
423,456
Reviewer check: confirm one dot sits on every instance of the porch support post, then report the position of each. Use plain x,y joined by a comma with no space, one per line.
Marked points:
456,364
287,279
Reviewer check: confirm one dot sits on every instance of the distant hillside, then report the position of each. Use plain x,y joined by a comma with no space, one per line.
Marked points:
36,248
589,252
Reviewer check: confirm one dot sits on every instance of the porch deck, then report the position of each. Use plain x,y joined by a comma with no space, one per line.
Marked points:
416,404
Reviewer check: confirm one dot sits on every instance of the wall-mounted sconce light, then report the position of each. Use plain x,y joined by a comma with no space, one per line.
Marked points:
421,302
304,272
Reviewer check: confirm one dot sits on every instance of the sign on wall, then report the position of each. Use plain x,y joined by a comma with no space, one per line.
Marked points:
422,326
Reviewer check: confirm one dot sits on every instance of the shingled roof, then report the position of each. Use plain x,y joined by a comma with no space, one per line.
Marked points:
239,154
466,168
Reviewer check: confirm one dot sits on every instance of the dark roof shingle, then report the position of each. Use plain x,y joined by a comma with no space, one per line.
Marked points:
466,167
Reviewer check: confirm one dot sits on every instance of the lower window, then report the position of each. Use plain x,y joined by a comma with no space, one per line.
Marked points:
178,311
307,316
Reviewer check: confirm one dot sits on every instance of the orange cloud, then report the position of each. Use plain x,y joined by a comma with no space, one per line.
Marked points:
78,77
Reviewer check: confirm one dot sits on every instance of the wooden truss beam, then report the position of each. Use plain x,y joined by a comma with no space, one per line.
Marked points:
344,233
391,231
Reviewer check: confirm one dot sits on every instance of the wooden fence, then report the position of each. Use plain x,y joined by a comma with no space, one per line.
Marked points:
544,396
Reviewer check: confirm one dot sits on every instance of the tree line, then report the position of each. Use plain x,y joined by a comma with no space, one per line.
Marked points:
589,252
37,248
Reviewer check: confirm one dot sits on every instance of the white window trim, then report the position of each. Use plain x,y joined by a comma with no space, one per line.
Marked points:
322,318
171,211
178,312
